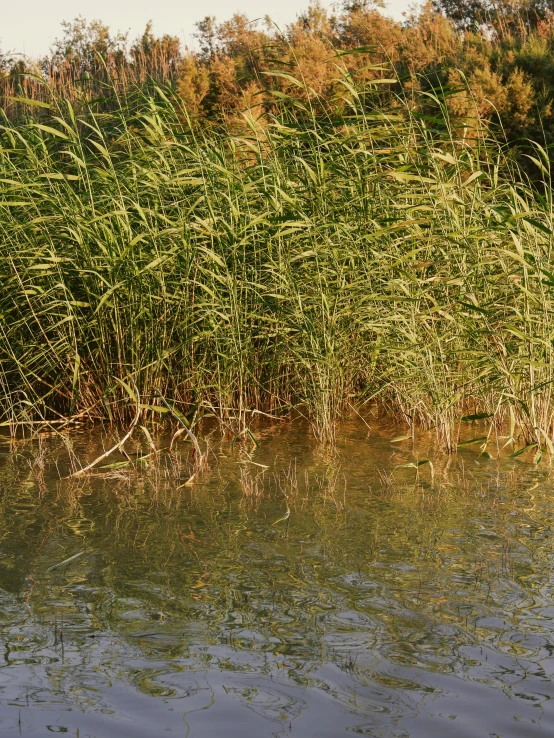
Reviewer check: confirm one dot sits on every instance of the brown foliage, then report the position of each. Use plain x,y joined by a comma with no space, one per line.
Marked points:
241,67
193,84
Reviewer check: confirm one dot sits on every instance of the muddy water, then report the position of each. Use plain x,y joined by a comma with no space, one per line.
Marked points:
289,592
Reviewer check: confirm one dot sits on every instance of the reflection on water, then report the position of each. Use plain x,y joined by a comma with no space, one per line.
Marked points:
288,593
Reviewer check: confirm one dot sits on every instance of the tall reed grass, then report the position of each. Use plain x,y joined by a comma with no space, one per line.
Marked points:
383,259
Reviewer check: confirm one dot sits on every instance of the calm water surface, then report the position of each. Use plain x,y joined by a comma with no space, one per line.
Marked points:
387,604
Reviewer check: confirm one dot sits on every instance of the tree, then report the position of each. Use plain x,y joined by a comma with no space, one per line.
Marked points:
466,14
6,61
206,36
504,16
83,43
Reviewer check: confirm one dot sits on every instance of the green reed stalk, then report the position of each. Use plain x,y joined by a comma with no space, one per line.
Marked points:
296,261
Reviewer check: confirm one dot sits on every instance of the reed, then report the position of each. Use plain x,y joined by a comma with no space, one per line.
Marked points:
293,262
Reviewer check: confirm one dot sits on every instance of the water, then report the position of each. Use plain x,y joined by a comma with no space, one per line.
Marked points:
390,603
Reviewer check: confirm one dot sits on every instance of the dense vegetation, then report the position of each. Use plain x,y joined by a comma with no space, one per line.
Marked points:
492,62
346,246
296,263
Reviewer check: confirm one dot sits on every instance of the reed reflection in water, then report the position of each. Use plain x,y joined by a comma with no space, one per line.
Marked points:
289,592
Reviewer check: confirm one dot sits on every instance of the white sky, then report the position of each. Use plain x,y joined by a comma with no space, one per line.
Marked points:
30,26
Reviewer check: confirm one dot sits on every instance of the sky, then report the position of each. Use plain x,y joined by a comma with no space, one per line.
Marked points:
30,26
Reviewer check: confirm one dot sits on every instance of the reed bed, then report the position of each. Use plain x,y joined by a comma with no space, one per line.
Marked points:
293,263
